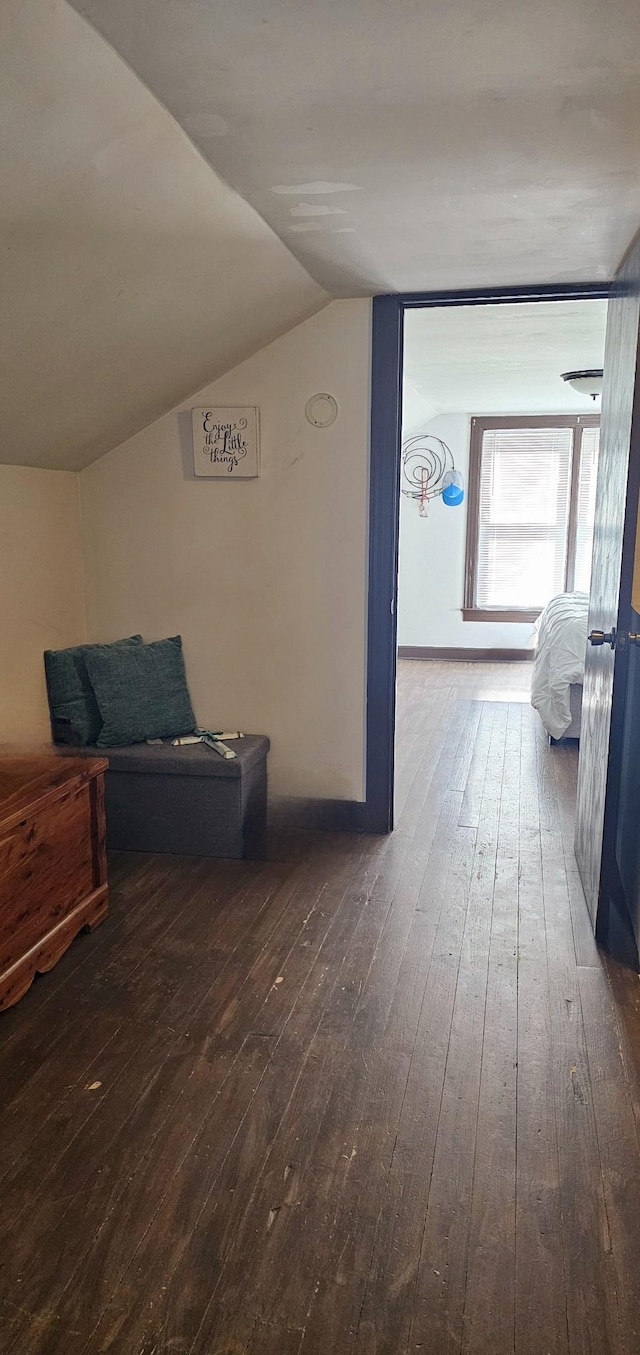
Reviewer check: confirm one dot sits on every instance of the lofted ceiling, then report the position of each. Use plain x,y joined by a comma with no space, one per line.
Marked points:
419,144
131,275
500,359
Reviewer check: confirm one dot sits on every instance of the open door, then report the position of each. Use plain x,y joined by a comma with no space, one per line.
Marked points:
600,786
627,836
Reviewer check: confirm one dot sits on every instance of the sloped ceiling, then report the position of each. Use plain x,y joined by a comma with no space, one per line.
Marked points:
410,144
131,275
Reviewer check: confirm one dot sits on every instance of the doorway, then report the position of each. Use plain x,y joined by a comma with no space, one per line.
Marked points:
498,474
388,369
612,619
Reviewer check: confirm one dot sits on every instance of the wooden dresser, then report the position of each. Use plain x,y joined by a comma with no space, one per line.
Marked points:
53,873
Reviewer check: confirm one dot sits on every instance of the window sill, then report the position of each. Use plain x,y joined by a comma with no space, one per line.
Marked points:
520,615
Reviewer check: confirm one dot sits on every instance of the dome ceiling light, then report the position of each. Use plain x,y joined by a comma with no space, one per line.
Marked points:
588,382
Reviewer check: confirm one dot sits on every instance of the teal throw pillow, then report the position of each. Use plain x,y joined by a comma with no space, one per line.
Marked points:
141,692
75,717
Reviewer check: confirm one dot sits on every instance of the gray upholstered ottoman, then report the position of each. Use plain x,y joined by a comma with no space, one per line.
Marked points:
185,800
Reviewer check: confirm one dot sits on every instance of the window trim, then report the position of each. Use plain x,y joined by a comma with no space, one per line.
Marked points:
480,425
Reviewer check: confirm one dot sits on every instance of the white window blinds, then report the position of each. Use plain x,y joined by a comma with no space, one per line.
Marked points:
524,495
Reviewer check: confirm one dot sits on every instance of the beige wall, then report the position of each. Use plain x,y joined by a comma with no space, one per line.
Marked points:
264,579
41,590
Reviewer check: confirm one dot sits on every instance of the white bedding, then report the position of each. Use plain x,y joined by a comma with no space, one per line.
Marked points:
561,642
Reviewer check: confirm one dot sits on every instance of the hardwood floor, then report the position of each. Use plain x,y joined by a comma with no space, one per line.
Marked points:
369,1097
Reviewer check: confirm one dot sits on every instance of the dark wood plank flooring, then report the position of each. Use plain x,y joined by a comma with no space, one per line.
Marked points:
368,1097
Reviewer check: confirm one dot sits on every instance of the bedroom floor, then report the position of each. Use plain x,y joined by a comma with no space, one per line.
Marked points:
371,1096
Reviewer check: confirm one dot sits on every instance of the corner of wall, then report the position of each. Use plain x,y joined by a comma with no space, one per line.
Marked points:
83,556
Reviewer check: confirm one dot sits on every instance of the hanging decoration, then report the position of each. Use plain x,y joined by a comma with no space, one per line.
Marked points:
452,488
428,471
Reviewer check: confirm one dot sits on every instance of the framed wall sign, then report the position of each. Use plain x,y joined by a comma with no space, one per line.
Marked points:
226,442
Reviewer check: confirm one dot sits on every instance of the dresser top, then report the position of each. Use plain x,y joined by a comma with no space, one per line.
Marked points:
28,778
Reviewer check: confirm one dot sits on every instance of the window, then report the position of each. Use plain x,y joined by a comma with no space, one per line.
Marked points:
532,484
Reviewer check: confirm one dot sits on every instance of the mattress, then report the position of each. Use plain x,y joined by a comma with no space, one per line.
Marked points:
575,705
558,665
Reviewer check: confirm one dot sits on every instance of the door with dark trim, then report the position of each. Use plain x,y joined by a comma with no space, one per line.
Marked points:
600,788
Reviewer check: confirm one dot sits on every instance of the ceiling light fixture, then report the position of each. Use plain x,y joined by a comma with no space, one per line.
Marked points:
587,382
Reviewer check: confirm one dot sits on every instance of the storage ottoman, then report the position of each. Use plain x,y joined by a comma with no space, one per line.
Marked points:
187,800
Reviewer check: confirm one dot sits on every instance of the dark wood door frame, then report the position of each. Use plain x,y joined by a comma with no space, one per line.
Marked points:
384,511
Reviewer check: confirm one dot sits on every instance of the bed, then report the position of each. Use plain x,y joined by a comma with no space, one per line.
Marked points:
558,665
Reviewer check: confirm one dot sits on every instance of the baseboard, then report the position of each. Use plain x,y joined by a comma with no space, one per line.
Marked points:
464,655
334,816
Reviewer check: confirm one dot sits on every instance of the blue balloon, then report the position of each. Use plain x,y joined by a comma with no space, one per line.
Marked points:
453,495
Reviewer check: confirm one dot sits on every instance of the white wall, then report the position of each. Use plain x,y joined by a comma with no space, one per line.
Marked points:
264,579
41,591
431,565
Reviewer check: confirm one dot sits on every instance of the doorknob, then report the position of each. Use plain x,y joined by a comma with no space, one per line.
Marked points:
601,637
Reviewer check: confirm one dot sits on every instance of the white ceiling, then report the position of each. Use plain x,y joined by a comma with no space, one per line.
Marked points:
131,275
500,359
410,145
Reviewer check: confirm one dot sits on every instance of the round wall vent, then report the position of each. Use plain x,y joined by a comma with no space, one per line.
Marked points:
321,410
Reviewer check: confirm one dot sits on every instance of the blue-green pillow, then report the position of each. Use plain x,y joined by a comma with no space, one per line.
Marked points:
75,717
141,692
